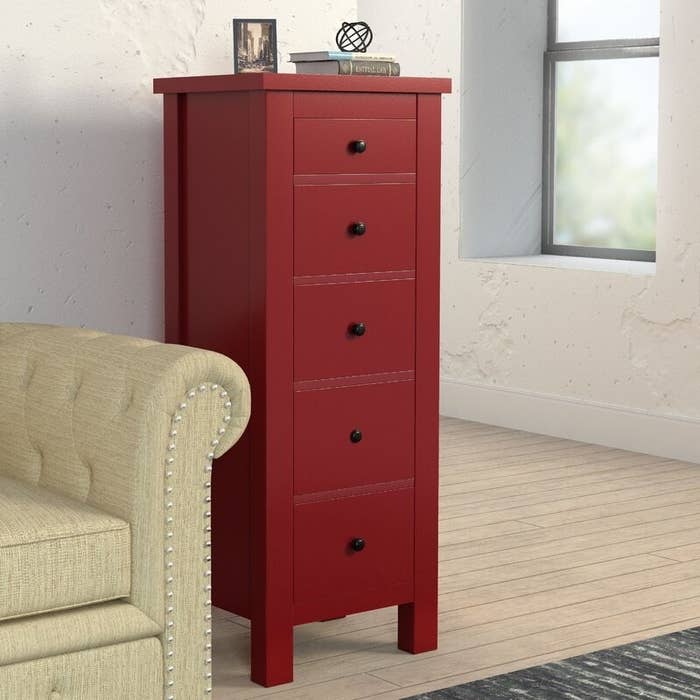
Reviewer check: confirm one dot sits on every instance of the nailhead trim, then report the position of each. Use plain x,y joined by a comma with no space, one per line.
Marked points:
169,550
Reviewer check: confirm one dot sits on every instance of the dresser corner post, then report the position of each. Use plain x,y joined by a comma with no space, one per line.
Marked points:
271,312
271,653
418,619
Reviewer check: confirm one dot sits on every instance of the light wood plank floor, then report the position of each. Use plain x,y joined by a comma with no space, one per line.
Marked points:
549,548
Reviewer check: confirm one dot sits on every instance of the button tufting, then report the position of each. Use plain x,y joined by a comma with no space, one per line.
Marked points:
29,375
40,461
128,401
89,471
74,391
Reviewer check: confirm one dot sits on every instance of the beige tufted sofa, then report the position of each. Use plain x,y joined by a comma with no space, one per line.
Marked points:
106,446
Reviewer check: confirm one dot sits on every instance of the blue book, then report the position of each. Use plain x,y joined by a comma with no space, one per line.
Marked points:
302,56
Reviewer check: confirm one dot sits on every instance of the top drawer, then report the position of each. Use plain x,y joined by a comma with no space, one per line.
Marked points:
342,146
354,105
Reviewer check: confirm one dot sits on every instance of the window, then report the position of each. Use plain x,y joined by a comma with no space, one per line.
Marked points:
601,129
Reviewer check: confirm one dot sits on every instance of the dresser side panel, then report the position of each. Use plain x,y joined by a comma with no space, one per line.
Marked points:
214,301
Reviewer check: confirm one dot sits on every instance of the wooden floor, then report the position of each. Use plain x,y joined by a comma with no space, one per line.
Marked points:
549,549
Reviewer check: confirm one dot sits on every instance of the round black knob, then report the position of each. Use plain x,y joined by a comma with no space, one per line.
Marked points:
357,545
358,228
358,146
358,329
356,436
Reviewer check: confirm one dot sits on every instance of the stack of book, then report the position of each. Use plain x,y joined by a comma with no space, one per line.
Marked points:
344,63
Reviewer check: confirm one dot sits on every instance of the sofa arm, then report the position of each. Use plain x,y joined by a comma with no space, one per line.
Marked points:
130,426
198,431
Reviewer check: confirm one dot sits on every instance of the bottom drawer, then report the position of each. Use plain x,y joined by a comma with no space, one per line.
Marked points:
353,554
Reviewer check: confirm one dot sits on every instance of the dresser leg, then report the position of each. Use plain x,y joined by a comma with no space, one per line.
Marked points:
418,627
271,653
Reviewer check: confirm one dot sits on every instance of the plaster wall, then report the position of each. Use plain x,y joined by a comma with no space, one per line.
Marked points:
81,206
80,144
502,85
620,340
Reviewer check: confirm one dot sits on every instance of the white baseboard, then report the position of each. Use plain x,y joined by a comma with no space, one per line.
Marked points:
674,437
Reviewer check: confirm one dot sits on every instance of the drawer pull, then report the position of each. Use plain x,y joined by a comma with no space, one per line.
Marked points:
356,436
358,146
358,228
357,329
357,545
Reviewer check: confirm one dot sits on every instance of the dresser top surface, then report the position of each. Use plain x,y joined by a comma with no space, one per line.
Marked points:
293,82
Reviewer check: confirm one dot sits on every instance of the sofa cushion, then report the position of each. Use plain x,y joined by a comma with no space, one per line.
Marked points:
131,671
66,631
57,553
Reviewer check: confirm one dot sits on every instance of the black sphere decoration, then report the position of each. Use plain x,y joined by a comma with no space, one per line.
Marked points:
354,36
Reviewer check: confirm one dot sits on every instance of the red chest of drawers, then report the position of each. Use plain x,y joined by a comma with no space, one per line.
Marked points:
302,240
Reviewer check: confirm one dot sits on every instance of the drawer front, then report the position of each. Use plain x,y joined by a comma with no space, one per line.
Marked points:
353,436
329,317
328,237
324,146
325,564
354,105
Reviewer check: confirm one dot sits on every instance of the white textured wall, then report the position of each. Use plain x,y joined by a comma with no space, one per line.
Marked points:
80,144
613,338
502,87
80,194
599,337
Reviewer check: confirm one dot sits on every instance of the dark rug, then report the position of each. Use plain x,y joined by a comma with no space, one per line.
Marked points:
662,668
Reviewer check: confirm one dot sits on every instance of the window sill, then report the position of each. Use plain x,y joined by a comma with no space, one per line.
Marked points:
568,262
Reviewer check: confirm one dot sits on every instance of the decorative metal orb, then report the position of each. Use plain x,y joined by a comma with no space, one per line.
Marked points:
354,36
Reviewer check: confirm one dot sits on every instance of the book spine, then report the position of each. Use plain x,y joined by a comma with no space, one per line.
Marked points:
369,68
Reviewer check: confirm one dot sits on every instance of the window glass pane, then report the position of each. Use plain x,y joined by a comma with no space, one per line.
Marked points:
593,20
606,127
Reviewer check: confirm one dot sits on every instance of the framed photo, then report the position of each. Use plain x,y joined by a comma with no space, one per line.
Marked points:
254,45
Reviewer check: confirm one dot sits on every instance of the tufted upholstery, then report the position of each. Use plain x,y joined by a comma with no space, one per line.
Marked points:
60,406
129,427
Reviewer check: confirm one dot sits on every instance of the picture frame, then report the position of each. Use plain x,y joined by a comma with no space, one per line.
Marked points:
254,45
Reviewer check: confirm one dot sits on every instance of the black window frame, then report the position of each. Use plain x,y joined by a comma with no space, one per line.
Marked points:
557,52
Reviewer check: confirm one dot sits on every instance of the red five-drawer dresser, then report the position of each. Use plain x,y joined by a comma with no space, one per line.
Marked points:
302,239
